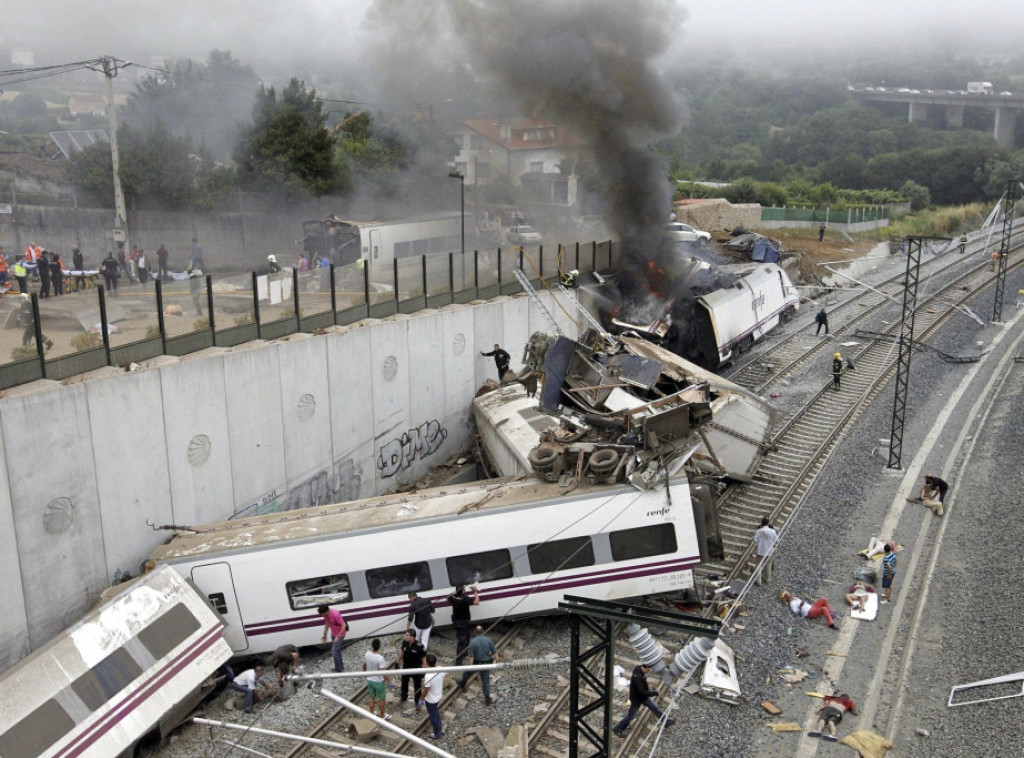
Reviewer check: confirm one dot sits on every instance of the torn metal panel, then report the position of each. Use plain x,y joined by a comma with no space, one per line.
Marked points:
720,681
556,363
995,687
633,369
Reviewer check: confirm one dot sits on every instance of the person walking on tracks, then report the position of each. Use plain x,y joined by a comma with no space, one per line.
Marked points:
481,650
821,319
431,694
411,657
765,539
837,371
377,684
640,693
338,627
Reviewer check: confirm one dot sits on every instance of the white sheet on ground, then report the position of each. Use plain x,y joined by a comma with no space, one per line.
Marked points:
870,608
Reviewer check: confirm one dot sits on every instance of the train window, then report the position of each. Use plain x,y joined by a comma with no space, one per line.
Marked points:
643,541
219,603
560,555
421,247
323,590
479,567
108,677
169,631
35,733
401,249
398,580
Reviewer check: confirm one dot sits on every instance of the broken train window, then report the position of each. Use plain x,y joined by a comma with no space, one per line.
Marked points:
323,590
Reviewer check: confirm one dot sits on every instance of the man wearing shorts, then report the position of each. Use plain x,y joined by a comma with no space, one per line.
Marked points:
374,661
888,572
832,713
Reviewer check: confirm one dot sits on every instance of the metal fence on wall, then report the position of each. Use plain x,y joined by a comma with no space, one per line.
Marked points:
58,337
826,215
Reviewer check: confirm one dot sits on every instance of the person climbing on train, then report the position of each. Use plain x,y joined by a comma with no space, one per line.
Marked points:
821,319
501,360
421,616
837,370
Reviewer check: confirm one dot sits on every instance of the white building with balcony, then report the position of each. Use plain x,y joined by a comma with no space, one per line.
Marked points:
535,155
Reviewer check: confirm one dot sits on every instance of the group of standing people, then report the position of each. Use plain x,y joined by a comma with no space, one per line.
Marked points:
427,690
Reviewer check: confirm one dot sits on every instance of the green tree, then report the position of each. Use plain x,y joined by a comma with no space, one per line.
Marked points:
157,170
203,101
287,148
920,197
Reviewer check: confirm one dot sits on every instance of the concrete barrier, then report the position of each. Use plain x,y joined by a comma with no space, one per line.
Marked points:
86,468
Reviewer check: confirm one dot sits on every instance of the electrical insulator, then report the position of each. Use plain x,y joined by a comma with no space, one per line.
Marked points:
691,656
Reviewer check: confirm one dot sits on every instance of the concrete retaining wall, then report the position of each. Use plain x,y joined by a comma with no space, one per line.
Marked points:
308,420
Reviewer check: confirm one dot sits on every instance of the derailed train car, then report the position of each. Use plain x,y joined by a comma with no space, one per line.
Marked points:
132,669
711,326
729,321
524,543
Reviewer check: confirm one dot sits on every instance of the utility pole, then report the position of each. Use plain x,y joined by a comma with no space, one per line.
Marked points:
110,68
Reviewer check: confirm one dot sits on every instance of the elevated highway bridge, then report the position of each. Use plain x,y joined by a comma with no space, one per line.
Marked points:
920,102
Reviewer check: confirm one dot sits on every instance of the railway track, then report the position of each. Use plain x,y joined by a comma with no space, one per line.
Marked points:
787,355
800,449
804,443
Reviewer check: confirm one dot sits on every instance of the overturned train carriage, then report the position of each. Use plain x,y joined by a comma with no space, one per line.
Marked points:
132,669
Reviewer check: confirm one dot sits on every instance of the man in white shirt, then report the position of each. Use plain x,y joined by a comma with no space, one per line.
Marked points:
431,694
765,539
374,661
246,684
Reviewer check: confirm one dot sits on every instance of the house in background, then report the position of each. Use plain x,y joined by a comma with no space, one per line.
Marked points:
529,152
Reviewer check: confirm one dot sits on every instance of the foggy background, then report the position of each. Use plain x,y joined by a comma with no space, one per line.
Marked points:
313,35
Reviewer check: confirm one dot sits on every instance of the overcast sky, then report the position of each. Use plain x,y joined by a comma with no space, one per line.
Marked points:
321,32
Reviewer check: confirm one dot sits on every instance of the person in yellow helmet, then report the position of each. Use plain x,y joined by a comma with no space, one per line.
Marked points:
837,370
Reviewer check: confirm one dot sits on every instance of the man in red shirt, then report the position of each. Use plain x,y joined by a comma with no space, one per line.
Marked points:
832,713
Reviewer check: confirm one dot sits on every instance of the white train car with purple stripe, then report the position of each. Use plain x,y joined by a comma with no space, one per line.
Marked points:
129,671
525,543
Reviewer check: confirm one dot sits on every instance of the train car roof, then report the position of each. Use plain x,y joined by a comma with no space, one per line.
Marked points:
371,514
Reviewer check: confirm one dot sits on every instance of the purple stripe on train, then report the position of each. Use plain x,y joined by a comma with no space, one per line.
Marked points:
526,588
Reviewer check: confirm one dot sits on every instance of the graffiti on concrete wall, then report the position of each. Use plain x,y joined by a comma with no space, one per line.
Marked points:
338,484
399,454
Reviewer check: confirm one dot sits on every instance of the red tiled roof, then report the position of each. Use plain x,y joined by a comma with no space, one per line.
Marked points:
491,129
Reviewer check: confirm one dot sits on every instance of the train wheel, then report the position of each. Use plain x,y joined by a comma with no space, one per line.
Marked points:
604,461
542,456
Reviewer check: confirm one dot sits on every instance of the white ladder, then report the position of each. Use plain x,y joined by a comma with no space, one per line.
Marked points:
529,290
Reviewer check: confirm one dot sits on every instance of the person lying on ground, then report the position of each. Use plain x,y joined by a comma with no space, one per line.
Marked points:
832,713
800,607
876,548
857,597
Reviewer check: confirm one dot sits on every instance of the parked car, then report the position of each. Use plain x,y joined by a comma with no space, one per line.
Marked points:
522,235
686,233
